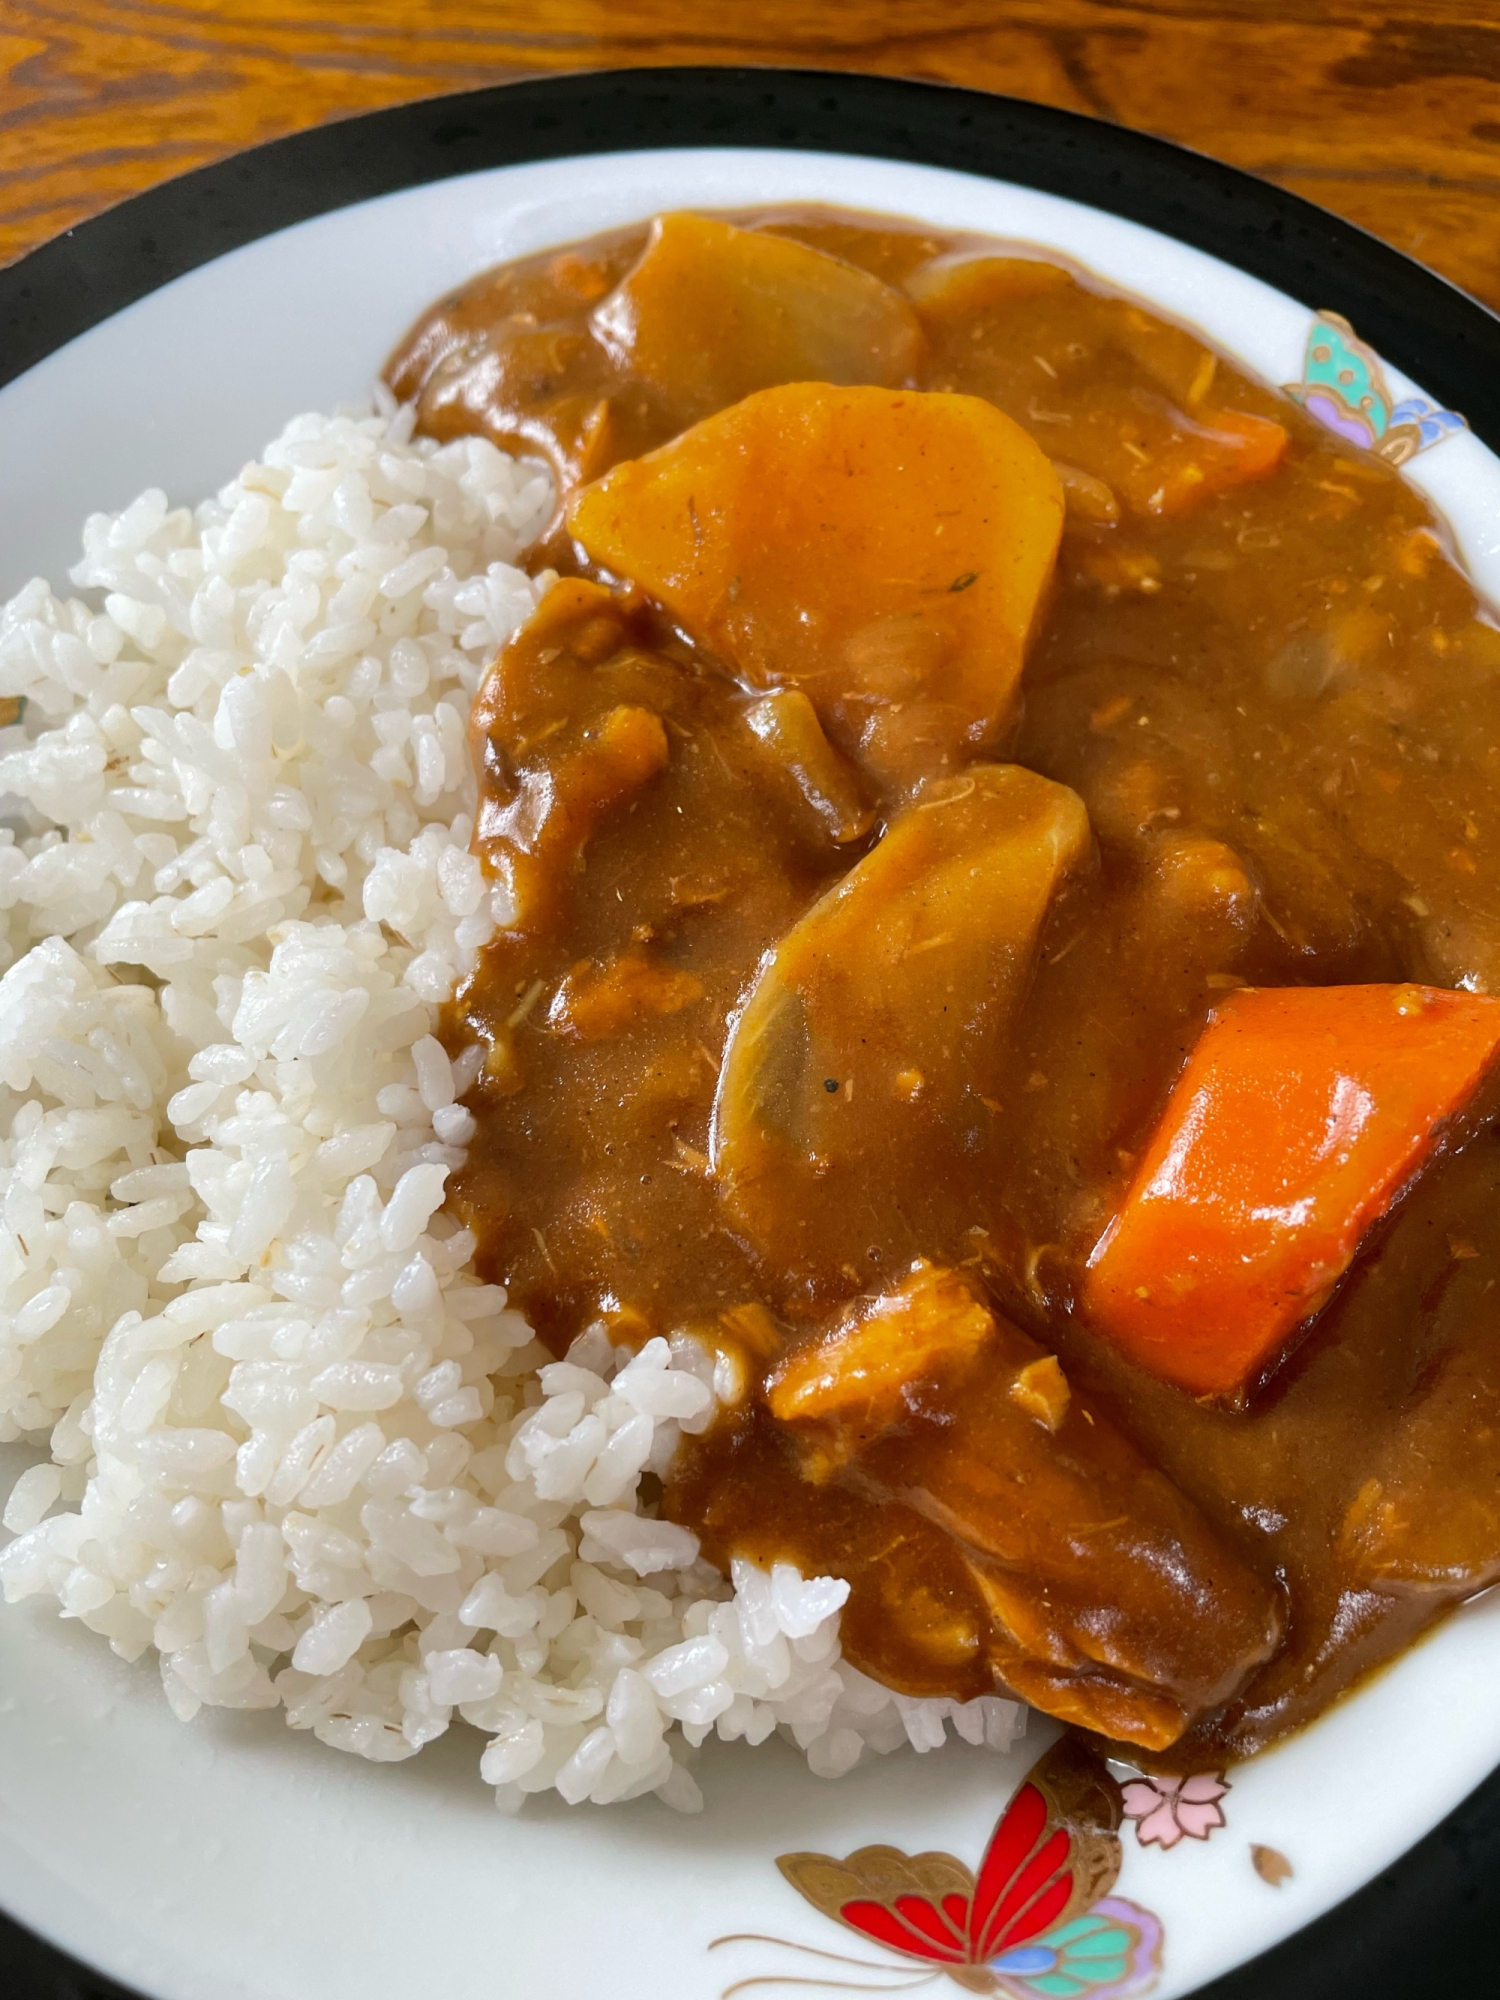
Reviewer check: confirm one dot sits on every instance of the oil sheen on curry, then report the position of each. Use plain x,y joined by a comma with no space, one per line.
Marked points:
998,818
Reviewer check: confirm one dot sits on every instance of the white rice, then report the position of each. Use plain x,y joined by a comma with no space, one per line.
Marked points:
294,1445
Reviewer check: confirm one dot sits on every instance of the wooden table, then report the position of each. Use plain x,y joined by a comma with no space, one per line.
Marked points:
1392,121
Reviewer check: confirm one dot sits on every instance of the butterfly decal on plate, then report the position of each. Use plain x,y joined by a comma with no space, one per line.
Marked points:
1036,1922
1343,385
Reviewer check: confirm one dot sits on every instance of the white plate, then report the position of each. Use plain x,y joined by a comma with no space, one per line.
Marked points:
232,1858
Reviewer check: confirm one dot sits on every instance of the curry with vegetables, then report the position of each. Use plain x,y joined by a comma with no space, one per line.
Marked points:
996,825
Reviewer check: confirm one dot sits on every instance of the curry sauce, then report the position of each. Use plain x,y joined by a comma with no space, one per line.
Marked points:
865,910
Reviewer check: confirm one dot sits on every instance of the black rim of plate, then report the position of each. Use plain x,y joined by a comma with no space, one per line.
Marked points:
1417,1927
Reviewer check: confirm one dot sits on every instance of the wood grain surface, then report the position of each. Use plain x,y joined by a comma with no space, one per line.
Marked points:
1392,119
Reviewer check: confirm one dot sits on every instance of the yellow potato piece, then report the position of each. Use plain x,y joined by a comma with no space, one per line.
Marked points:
886,551
712,312
962,283
872,1027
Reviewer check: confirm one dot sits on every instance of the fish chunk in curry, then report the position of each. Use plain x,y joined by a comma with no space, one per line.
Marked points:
998,819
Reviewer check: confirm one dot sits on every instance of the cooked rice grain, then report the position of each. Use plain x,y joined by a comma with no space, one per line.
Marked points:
303,1452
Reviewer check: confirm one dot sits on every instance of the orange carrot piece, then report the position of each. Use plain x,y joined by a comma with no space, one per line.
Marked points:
1300,1116
1226,449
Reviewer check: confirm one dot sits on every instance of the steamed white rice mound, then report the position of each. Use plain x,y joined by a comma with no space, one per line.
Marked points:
293,1444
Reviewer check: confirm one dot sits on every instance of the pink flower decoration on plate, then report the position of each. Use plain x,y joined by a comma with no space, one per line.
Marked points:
1164,1809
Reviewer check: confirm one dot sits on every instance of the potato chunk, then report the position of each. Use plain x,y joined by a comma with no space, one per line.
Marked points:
886,552
873,1024
712,313
959,284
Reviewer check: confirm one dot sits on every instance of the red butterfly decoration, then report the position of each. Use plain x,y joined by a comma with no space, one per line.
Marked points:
1053,1854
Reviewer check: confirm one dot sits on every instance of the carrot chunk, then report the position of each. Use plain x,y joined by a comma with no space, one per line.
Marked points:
1300,1116
595,1002
1227,449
